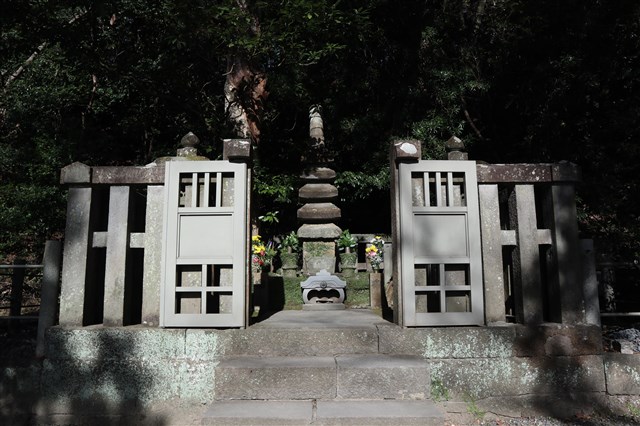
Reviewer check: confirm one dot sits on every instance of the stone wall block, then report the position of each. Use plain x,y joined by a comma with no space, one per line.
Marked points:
98,342
435,343
623,374
90,385
557,340
486,377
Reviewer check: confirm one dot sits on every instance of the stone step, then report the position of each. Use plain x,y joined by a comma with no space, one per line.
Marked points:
369,376
289,342
323,412
298,333
400,377
250,377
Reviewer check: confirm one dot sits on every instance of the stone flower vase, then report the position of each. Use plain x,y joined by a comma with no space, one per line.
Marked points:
289,264
348,262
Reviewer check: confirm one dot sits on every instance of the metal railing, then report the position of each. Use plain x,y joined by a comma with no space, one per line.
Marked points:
18,273
49,289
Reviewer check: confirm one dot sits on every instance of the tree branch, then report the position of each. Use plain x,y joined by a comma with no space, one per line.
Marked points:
469,120
22,67
35,54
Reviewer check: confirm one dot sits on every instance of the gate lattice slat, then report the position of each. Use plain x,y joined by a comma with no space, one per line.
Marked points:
440,244
205,245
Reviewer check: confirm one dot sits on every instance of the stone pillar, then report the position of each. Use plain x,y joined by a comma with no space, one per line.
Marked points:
375,289
401,151
528,296
492,262
152,256
49,293
115,273
76,244
239,151
591,300
568,252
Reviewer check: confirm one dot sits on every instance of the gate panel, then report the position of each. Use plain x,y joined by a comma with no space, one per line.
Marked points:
205,255
440,241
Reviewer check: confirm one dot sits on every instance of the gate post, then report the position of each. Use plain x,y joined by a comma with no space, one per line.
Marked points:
567,244
402,151
239,151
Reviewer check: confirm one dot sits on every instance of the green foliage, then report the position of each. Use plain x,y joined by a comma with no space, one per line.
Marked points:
290,241
27,213
634,410
278,188
473,409
346,240
119,82
439,391
269,218
360,185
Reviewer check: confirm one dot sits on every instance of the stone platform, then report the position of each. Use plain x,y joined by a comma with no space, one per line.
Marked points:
509,370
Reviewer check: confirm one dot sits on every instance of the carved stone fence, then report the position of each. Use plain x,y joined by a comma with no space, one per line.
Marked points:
112,265
533,261
113,245
535,269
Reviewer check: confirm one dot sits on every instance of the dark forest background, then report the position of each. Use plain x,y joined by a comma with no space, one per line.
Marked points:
120,82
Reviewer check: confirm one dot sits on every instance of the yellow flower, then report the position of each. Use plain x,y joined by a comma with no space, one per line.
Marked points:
255,238
373,249
258,249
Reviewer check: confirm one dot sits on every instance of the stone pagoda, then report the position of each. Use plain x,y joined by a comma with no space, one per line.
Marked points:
319,214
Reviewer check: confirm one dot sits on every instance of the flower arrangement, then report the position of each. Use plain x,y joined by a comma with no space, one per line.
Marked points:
375,252
261,253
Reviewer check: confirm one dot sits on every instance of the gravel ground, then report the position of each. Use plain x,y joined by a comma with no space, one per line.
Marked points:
546,421
625,410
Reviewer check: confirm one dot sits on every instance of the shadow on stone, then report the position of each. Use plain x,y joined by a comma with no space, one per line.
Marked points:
98,377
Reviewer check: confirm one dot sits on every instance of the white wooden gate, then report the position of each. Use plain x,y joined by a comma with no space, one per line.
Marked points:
205,255
441,257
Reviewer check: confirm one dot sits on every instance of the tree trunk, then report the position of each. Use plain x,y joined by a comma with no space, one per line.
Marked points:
245,89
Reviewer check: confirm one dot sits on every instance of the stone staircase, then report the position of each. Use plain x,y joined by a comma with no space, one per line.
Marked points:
322,373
